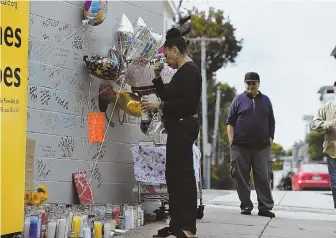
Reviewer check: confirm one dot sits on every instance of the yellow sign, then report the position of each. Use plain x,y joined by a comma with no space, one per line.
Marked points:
13,111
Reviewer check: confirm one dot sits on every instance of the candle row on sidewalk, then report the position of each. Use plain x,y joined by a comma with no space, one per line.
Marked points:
97,221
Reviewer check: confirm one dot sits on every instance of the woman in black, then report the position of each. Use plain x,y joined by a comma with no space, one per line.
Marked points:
180,101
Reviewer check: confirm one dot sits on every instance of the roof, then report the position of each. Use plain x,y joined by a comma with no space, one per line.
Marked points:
322,89
333,53
307,117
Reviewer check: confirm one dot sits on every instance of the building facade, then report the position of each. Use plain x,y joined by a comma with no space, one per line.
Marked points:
60,95
326,93
307,120
333,53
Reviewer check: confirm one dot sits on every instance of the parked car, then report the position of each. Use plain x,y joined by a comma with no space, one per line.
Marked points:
286,181
311,176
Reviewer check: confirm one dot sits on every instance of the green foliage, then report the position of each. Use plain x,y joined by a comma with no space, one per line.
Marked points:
277,150
213,24
220,177
315,141
277,165
289,152
251,178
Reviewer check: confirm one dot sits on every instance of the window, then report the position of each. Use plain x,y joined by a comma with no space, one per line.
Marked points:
319,168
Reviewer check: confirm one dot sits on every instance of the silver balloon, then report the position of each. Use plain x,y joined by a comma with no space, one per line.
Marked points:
140,74
144,46
125,34
138,25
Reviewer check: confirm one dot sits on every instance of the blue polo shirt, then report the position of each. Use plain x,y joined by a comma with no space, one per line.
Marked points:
252,119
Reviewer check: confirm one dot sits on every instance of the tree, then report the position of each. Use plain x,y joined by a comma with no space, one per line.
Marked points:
277,150
289,152
315,141
213,24
220,172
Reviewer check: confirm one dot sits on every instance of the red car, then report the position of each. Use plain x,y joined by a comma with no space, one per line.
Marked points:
311,176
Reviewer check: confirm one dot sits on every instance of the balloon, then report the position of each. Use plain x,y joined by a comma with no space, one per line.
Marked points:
125,34
138,25
158,38
140,74
107,68
144,46
95,11
129,103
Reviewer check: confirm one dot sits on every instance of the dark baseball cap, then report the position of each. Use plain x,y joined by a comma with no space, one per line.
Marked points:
251,77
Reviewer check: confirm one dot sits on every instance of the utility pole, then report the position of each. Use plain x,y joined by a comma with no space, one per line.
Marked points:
205,144
206,153
216,124
181,21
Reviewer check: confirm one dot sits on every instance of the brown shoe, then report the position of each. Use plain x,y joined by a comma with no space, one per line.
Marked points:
106,96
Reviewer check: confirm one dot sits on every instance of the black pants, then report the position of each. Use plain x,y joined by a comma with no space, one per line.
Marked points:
244,159
180,175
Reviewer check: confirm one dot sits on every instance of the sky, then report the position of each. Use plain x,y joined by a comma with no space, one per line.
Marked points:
288,43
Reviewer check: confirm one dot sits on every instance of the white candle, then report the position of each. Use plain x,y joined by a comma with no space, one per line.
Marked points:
51,229
87,232
69,223
81,225
26,227
61,228
39,221
132,219
107,230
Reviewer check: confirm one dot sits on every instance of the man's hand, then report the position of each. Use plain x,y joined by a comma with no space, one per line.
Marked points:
230,131
271,140
147,105
230,141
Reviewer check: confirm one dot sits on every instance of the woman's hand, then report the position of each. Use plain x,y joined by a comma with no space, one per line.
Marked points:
158,67
147,105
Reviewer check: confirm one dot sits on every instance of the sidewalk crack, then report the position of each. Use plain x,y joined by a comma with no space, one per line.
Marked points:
266,225
282,198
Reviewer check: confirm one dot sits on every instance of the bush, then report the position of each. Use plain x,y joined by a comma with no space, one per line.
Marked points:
277,165
220,177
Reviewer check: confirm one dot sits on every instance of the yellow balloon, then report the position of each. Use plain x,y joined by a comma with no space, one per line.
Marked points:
129,103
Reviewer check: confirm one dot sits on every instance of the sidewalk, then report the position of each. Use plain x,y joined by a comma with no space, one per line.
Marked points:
298,214
223,223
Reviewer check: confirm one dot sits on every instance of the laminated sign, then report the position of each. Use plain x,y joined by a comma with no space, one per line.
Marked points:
83,187
96,125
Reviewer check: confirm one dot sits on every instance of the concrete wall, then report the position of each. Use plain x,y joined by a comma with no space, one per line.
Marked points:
58,100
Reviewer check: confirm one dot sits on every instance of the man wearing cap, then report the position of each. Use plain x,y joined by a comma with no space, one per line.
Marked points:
250,127
325,120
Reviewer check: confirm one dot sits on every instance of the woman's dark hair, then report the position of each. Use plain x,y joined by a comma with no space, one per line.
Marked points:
174,38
